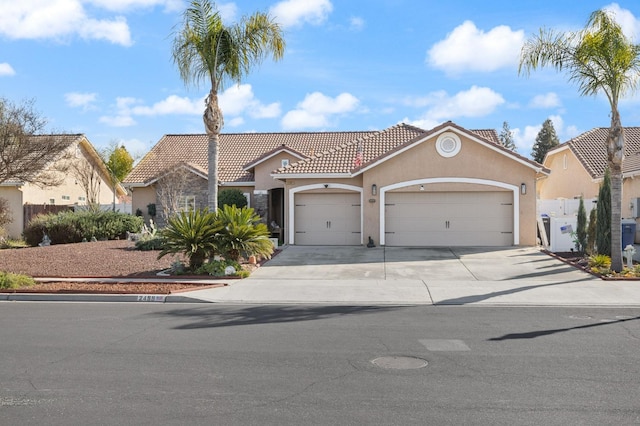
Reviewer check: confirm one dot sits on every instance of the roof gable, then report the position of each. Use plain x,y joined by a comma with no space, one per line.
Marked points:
384,145
283,149
590,148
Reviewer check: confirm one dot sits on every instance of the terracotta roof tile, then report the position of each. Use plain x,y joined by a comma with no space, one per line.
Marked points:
327,152
235,151
591,149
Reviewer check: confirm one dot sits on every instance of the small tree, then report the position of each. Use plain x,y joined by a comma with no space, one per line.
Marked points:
119,163
603,224
232,197
581,231
545,141
506,137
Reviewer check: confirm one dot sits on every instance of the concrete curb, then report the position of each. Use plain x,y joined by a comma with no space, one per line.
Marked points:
103,298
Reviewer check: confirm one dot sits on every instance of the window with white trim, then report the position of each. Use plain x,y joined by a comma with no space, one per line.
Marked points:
285,162
186,203
565,164
247,195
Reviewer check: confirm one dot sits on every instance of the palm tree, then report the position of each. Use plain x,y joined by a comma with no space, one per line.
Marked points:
204,48
600,59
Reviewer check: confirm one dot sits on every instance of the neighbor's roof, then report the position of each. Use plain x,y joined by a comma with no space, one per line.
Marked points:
591,150
238,152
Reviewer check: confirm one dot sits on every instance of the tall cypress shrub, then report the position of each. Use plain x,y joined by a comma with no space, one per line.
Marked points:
581,232
591,232
603,224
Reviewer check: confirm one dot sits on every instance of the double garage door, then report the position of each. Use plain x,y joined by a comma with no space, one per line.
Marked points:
327,219
419,219
449,219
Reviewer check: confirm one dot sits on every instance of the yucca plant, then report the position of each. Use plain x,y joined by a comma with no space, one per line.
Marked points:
193,234
242,233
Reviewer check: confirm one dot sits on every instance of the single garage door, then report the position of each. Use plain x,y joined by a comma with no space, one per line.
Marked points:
449,219
327,219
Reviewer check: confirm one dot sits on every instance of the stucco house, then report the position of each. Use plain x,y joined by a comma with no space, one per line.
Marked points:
402,186
578,165
26,199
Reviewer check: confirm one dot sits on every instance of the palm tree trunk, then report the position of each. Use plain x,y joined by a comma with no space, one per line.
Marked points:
213,123
615,151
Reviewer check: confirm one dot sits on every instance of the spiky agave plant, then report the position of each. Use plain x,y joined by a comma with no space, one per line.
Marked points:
193,234
242,233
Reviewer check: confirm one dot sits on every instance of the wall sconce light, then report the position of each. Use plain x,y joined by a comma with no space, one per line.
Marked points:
523,188
374,189
421,187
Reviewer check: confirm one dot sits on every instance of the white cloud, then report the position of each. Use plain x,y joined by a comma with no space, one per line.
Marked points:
234,102
548,100
356,23
6,70
126,5
80,100
468,48
295,13
629,23
475,102
59,19
316,109
172,105
240,99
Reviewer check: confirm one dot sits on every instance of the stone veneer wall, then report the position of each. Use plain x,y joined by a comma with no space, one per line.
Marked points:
261,205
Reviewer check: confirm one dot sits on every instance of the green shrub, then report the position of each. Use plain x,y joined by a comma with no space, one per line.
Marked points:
216,268
148,244
591,232
74,227
599,261
10,244
11,280
193,234
231,197
150,239
242,233
603,224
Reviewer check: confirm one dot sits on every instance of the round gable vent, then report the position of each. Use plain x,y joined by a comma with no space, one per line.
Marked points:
448,144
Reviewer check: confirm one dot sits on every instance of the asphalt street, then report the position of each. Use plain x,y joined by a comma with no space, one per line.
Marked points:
205,364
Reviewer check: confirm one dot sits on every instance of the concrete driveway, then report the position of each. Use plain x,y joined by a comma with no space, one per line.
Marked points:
511,276
413,263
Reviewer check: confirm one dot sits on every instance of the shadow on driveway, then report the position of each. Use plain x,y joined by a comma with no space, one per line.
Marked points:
480,297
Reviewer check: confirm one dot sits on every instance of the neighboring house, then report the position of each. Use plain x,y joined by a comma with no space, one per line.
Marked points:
26,200
578,165
402,186
577,169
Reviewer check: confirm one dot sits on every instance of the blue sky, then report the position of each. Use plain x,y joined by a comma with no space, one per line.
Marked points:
104,68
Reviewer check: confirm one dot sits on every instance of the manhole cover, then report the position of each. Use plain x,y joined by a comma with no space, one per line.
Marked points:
400,362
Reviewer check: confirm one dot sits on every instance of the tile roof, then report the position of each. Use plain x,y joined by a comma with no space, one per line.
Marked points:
235,151
238,152
591,149
376,147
